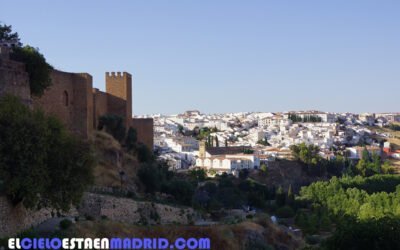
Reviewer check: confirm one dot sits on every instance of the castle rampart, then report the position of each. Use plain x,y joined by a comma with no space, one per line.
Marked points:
14,80
69,98
73,100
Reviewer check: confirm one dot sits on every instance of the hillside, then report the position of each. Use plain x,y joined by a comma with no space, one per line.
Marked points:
251,234
284,173
111,160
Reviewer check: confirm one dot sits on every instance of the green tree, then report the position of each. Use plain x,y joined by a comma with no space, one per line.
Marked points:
143,153
212,172
41,164
182,190
386,167
325,222
280,197
362,166
290,195
153,175
371,234
285,212
180,129
131,139
70,166
198,174
36,66
114,125
216,141
8,36
264,168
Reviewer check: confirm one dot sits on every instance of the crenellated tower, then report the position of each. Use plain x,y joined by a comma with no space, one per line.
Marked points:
119,86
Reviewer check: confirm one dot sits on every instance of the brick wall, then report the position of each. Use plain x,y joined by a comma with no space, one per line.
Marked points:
69,98
100,106
119,88
73,100
145,130
14,80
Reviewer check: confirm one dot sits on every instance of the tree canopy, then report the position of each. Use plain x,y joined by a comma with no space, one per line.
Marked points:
8,36
41,164
36,66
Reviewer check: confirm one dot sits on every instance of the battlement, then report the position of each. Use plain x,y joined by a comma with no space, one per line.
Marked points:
118,75
119,87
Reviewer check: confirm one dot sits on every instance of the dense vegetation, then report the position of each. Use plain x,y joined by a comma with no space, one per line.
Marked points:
370,164
41,164
366,211
36,66
395,127
114,125
35,63
381,233
315,165
212,194
362,198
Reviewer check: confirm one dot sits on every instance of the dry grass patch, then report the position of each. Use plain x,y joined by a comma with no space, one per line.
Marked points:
107,172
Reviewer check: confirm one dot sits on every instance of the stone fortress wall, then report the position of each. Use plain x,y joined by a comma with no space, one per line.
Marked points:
79,106
72,98
15,219
13,78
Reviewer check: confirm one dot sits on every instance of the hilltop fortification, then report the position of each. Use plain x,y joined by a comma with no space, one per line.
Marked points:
72,98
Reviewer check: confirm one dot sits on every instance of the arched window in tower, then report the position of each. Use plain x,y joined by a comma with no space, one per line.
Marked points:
65,98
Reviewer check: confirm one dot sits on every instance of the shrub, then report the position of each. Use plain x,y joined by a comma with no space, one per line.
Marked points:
35,63
182,190
36,66
131,139
65,224
114,125
89,217
285,212
143,153
313,239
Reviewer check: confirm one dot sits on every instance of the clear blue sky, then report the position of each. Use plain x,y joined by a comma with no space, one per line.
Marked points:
226,56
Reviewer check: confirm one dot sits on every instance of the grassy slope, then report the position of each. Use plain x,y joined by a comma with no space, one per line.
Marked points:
107,169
